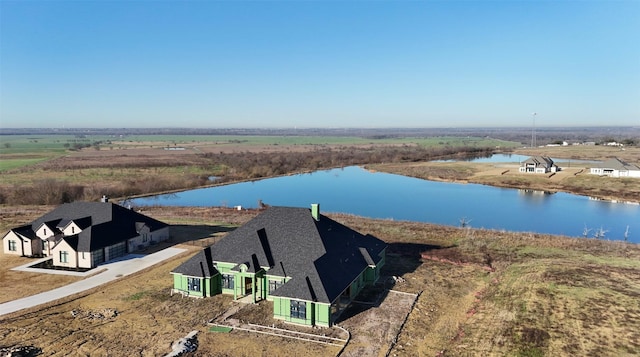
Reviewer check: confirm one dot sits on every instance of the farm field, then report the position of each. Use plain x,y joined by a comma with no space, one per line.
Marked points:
480,293
51,169
48,169
62,144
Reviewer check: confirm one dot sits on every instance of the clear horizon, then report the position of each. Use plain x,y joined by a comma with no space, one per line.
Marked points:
421,64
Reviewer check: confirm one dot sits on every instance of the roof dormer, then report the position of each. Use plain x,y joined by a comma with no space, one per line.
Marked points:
47,229
70,227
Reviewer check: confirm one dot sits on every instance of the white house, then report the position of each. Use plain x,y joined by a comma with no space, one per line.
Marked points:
538,165
616,168
85,234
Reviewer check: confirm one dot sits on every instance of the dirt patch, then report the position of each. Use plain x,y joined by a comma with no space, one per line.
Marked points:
375,325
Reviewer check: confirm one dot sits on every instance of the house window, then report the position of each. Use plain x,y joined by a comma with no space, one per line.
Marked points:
73,230
298,309
193,284
64,256
227,281
12,246
44,231
144,237
274,284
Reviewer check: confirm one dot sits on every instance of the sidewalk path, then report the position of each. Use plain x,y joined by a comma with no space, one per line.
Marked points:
114,269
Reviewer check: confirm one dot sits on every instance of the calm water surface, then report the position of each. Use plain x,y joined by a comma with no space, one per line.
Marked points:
513,158
381,195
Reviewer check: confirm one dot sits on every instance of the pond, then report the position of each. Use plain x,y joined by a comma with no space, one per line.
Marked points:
516,158
380,195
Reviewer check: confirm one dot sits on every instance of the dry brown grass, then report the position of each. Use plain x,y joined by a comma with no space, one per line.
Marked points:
546,295
585,152
575,179
18,284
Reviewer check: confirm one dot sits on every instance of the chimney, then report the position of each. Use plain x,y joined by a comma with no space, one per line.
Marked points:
104,198
315,211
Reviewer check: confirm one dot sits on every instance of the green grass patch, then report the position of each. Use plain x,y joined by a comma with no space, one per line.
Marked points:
9,164
220,329
531,352
12,144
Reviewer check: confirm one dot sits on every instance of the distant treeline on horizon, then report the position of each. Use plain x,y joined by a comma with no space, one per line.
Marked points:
506,133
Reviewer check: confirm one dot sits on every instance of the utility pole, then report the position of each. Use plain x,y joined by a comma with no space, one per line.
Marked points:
533,131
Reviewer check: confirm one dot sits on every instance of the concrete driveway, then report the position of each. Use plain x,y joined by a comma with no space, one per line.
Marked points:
114,269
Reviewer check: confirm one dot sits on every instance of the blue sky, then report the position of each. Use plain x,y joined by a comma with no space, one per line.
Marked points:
319,64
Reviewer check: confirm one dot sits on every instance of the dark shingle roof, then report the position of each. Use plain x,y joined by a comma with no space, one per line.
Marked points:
200,265
73,241
103,223
25,231
321,257
539,160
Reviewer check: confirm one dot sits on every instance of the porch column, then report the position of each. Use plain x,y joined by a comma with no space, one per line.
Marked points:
253,287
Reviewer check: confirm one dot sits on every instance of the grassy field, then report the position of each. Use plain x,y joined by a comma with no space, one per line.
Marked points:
29,144
51,169
481,292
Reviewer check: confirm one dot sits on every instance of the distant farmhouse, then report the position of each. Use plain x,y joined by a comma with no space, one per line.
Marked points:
85,234
538,165
309,265
616,168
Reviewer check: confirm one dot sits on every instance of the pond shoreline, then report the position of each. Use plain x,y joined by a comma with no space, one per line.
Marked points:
379,194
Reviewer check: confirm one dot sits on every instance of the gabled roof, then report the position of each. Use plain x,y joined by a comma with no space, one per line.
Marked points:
321,257
25,231
102,223
539,160
52,224
73,241
200,265
619,165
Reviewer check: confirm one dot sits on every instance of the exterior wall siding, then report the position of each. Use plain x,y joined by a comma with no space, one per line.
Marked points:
322,314
71,256
44,232
225,268
71,229
268,279
316,313
147,238
208,286
18,241
85,260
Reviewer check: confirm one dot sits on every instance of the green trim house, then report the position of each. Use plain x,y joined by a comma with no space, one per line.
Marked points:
310,266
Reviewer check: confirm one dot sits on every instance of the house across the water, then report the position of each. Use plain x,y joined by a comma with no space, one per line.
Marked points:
309,265
85,234
538,165
616,168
